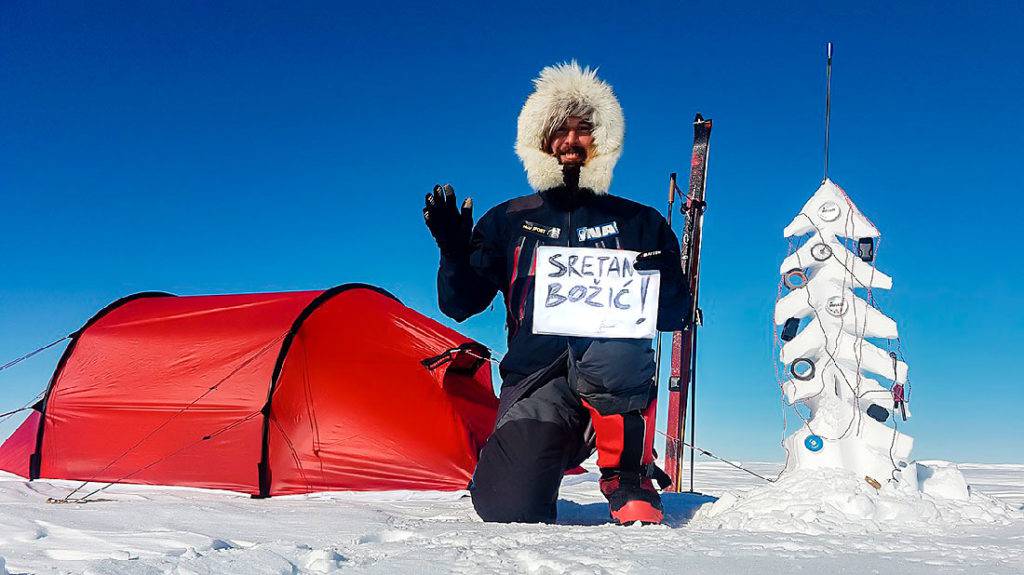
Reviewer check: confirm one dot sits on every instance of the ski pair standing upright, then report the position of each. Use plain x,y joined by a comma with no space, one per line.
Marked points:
682,382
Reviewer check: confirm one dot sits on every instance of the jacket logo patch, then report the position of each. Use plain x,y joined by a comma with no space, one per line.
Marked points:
597,232
545,231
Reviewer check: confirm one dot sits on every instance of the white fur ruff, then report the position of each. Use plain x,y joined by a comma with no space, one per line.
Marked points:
563,90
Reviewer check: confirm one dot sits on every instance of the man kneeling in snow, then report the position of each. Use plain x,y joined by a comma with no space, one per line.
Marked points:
561,395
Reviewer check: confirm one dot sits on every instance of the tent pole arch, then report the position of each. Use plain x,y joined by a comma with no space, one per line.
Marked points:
36,459
263,466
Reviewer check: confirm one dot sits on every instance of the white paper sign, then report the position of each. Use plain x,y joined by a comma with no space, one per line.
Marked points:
591,292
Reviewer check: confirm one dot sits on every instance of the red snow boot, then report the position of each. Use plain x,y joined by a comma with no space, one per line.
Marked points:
631,498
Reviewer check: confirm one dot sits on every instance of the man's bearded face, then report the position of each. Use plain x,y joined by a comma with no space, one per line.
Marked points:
572,142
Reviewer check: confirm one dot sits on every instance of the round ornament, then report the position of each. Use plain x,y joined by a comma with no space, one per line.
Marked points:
802,368
837,306
829,211
821,252
795,278
814,443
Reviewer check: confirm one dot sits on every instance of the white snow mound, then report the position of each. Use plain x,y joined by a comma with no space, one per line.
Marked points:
828,500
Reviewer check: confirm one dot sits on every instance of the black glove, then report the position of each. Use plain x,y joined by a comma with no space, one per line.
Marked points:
674,301
451,227
665,262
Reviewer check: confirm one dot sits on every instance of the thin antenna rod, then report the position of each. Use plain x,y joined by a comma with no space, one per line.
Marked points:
828,102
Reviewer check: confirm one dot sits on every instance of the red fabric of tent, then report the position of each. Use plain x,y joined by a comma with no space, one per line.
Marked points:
267,394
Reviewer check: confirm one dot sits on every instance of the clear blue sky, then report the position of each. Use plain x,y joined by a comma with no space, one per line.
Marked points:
152,146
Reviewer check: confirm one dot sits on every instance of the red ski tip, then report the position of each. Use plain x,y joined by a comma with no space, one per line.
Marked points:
634,511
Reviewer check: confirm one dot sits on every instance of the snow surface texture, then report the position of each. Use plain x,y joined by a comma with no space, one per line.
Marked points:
829,359
791,526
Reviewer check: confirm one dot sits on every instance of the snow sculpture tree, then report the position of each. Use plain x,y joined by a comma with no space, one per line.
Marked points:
829,359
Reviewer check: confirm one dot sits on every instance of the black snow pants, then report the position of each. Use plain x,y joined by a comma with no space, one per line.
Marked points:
600,393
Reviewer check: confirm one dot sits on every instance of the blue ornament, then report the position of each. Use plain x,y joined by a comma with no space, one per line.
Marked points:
814,442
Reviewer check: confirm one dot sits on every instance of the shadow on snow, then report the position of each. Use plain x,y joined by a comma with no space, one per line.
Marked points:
679,509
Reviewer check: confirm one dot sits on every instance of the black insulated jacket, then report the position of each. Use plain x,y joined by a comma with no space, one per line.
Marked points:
501,259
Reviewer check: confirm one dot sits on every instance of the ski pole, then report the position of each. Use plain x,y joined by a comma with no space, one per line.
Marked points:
657,347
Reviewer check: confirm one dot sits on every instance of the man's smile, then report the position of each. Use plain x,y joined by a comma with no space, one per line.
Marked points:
575,155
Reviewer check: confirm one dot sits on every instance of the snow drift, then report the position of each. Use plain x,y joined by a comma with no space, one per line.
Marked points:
930,498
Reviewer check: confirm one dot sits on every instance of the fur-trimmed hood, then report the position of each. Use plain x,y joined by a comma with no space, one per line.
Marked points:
567,90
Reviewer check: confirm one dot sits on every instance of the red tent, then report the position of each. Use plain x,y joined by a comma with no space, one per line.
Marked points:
268,394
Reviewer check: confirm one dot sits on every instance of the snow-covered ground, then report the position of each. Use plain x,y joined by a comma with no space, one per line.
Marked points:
143,530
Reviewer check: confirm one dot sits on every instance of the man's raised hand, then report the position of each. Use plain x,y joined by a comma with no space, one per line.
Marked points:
450,225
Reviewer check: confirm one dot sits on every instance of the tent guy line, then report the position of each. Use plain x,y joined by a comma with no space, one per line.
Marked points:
248,360
84,498
712,456
28,405
18,360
